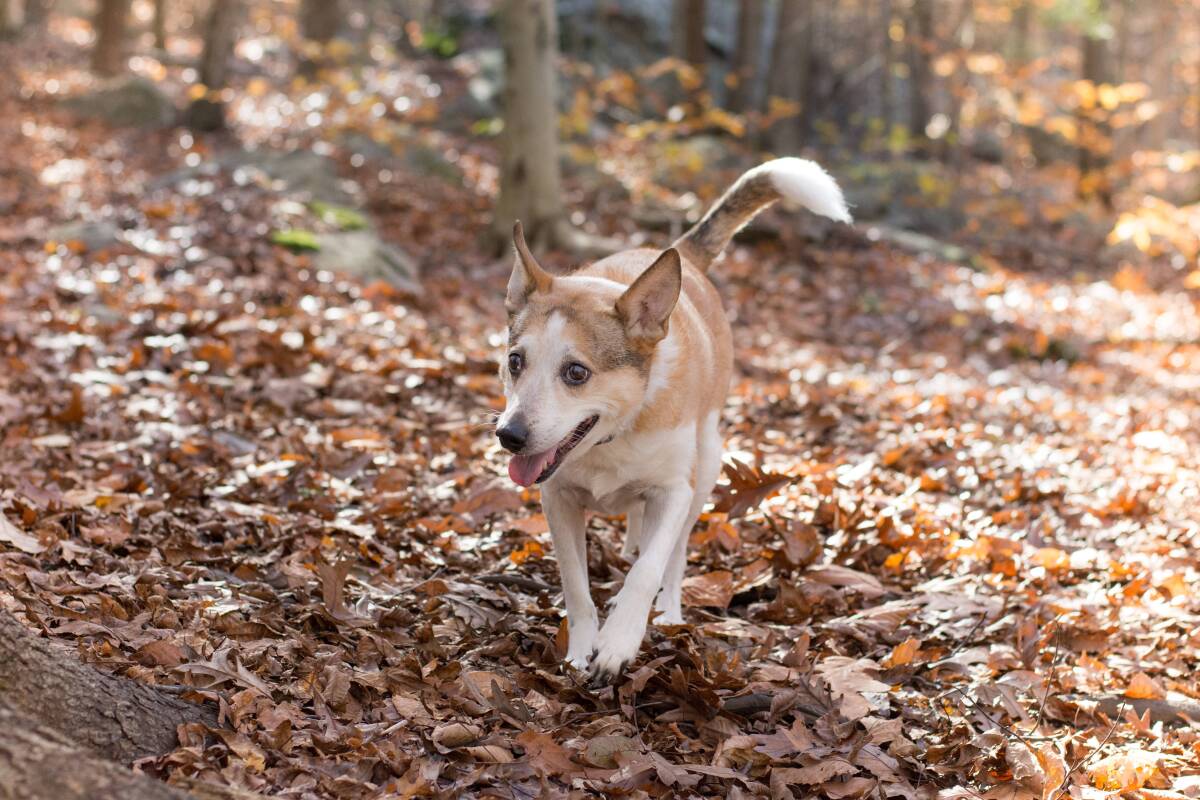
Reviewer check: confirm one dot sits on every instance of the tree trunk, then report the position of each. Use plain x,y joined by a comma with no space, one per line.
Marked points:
790,56
921,45
530,185
208,113
36,13
1095,134
747,55
319,23
687,34
887,91
111,716
39,763
108,56
8,22
160,24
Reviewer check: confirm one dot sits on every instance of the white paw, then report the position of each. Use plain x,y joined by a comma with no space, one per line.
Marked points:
616,646
674,617
581,641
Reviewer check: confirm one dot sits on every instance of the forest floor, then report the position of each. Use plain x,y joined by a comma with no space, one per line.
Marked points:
956,555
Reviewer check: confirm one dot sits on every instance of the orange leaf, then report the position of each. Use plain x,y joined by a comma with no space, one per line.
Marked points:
1143,687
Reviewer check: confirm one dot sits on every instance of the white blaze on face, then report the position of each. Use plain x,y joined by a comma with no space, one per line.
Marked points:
540,395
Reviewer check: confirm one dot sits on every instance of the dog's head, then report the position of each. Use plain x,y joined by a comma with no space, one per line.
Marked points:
578,358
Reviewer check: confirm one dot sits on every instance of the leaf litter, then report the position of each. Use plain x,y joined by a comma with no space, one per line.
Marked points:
934,560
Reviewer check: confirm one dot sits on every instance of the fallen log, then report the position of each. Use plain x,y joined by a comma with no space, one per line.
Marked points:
39,763
111,716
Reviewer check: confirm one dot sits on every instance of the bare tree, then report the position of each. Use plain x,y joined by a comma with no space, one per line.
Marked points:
788,80
747,56
921,46
220,36
530,183
160,24
1095,134
687,32
319,23
111,21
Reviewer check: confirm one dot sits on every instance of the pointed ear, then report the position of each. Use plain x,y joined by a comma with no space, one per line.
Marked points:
646,305
527,275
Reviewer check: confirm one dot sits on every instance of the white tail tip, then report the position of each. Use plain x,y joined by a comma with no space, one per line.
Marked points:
806,183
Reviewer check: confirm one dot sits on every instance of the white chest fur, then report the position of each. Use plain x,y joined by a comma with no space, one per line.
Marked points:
609,475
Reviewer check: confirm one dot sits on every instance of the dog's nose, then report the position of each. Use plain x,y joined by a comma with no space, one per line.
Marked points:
513,435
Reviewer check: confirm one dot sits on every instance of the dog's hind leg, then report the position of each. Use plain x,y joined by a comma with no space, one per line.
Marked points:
633,529
669,603
568,529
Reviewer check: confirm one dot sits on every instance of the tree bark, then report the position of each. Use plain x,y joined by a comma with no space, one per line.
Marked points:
208,113
921,45
39,763
1095,134
36,13
160,24
114,717
790,56
319,23
687,40
530,183
747,56
887,107
108,56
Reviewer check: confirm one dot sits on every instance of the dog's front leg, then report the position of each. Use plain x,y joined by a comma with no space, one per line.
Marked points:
618,643
568,529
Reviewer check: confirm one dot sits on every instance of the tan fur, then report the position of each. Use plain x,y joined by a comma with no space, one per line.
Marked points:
615,379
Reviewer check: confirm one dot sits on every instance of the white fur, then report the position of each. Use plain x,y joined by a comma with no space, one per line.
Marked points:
805,183
665,356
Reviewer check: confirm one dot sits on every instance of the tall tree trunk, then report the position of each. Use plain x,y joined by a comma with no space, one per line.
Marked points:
108,55
7,26
160,24
921,46
36,13
111,716
220,36
788,79
1095,134
319,24
887,87
747,55
530,184
687,32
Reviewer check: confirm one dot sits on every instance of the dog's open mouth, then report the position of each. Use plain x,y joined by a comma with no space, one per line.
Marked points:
526,470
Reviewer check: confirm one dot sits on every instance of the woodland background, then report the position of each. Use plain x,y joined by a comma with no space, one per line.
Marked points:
255,534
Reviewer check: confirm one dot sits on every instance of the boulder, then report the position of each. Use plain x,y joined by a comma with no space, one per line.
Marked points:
365,255
89,234
132,102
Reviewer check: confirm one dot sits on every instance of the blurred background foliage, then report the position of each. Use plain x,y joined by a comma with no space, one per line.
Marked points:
1029,130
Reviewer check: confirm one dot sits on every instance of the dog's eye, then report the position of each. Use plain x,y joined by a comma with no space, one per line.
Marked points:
516,362
576,373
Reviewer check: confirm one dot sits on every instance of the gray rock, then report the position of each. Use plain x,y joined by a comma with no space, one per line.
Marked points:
309,175
364,254
126,102
92,234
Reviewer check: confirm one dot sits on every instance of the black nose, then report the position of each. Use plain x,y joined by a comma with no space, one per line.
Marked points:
513,435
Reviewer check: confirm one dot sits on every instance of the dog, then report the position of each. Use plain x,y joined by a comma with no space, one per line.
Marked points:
614,379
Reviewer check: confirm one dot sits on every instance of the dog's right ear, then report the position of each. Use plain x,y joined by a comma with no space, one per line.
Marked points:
527,275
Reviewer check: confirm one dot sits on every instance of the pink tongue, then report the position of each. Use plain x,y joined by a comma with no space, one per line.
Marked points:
524,470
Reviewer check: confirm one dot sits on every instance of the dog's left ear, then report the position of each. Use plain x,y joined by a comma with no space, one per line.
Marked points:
527,275
645,307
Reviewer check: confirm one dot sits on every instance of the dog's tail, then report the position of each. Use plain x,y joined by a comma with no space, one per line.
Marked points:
793,179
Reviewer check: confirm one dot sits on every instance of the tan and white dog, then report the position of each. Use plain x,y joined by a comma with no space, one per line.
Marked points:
615,377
